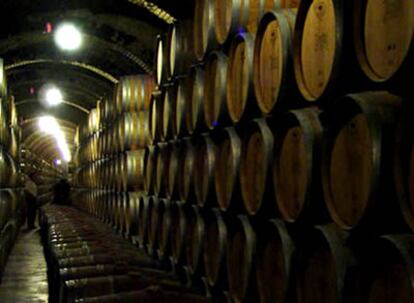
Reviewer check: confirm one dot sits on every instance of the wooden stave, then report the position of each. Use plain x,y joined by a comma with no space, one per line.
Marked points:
149,160
185,176
139,137
194,123
171,189
178,110
203,10
168,100
160,168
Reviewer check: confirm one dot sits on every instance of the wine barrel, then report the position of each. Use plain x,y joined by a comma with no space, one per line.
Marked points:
179,48
215,110
131,174
150,294
152,224
163,213
204,166
236,16
241,247
226,176
404,165
214,253
8,170
296,165
133,130
390,276
90,271
186,171
171,189
194,239
14,145
161,169
178,231
149,166
255,166
160,60
4,127
203,32
274,265
326,262
271,5
143,219
133,93
357,161
383,36
132,213
7,205
165,122
317,43
240,89
154,116
273,76
194,107
179,108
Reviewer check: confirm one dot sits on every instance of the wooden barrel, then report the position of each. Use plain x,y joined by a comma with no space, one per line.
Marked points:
177,231
132,213
383,36
90,271
7,201
194,239
143,218
296,165
194,108
152,224
185,171
14,145
161,169
404,165
240,89
133,130
272,70
325,261
390,277
274,265
204,167
8,170
179,48
131,174
160,60
241,247
133,93
357,160
179,108
4,127
226,177
203,32
165,122
215,247
149,166
163,213
255,166
215,108
317,45
171,189
154,116
231,17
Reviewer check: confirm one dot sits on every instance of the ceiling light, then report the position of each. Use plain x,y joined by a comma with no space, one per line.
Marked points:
58,162
49,125
68,37
53,96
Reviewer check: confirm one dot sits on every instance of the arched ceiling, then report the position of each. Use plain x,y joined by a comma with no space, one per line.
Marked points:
119,39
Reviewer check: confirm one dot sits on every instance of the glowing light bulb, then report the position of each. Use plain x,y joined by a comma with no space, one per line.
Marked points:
68,37
53,96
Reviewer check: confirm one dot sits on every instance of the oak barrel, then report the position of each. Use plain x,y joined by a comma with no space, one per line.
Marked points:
160,60
180,48
194,108
179,108
133,93
186,171
194,239
178,231
149,167
133,130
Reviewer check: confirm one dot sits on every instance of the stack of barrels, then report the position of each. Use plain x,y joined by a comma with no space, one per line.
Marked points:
281,156
88,263
47,174
11,193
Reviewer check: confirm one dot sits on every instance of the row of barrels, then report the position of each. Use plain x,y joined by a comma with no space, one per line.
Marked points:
277,47
87,263
9,171
266,261
353,162
132,94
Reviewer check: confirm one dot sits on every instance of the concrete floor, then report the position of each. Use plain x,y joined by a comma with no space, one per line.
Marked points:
25,277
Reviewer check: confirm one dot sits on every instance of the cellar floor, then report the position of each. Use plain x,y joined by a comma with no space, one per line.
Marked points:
25,277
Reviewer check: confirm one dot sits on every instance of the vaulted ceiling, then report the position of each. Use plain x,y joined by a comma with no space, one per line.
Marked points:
119,39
